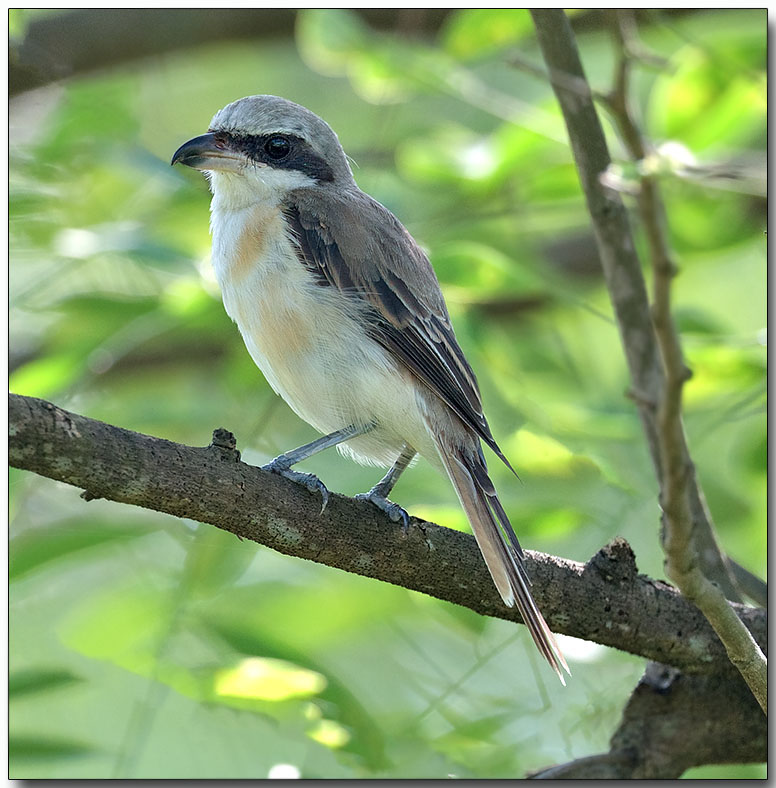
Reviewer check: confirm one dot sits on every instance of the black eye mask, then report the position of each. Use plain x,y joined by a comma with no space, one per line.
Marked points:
281,151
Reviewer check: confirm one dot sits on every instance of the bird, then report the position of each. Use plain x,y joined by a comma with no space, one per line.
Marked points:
342,312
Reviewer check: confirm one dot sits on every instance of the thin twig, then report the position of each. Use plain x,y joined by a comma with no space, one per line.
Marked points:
557,78
682,563
624,280
753,586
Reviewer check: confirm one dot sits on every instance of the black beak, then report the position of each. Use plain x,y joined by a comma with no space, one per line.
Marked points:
196,152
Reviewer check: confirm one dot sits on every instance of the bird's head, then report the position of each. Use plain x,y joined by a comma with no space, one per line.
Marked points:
266,146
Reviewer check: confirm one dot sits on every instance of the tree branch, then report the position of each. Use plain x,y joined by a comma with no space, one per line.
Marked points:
620,263
659,412
605,600
70,43
673,722
680,541
76,42
654,739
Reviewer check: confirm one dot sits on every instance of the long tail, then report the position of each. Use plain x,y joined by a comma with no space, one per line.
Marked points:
499,546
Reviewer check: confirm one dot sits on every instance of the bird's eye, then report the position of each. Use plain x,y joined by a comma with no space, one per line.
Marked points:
277,147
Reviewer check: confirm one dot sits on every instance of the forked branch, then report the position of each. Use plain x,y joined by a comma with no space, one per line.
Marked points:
680,536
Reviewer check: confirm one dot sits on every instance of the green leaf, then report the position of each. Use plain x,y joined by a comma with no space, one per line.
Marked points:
476,32
32,680
124,626
381,69
134,628
483,271
41,748
328,38
696,321
367,739
47,376
738,771
264,678
216,559
18,19
41,546
716,97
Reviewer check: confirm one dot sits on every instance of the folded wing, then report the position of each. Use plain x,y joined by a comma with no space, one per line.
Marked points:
359,247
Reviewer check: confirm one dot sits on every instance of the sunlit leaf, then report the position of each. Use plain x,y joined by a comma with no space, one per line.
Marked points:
268,679
560,522
449,516
381,70
473,743
476,32
186,297
723,83
740,369
47,376
456,155
329,733
328,38
544,454
751,771
366,737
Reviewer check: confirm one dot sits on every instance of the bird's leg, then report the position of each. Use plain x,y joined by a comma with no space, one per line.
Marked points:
282,464
378,495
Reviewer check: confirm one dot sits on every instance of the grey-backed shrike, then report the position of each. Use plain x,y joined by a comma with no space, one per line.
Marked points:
342,312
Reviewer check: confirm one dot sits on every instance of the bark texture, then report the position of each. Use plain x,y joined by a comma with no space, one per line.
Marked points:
672,723
605,600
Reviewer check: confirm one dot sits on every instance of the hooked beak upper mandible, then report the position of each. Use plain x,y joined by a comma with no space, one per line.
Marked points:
207,153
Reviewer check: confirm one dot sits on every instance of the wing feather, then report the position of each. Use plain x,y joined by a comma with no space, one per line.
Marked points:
366,253
389,272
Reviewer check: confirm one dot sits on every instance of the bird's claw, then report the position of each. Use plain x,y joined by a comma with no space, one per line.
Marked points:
393,510
309,480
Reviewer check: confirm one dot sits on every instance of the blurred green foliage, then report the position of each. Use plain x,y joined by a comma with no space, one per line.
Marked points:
146,646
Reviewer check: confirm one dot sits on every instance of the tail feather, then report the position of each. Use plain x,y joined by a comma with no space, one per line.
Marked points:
479,472
499,547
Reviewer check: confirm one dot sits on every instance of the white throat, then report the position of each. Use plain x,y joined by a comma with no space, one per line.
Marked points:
256,183
245,221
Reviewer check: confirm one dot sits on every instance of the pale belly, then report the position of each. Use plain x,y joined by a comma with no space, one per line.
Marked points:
309,345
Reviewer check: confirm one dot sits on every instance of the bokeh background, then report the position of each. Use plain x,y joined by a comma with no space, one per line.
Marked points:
142,645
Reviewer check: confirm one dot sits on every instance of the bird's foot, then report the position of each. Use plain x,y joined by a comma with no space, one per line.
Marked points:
393,510
309,480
